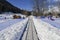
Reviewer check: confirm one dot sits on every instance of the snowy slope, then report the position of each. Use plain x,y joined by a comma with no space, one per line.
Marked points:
10,16
46,31
55,23
8,23
2,21
14,32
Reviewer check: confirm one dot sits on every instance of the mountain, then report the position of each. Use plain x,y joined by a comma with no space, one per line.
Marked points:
5,6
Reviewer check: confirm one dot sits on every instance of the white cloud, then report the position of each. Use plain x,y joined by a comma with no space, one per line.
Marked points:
56,0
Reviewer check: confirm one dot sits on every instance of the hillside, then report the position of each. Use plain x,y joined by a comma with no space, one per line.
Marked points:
5,6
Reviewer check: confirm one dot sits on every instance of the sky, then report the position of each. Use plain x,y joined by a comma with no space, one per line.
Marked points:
27,4
22,4
52,3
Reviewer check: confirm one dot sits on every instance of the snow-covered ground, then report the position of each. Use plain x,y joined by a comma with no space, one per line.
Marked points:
8,23
2,21
45,31
13,32
12,29
6,20
55,23
10,16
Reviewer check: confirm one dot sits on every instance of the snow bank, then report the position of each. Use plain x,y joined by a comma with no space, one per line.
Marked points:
46,31
55,23
5,20
2,21
7,16
8,23
14,32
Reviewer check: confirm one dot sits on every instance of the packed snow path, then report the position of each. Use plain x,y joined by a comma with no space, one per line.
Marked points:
30,33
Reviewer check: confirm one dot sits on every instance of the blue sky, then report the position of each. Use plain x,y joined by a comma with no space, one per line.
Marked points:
23,4
26,4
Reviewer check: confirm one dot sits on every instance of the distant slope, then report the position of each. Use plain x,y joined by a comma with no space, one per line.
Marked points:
5,6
